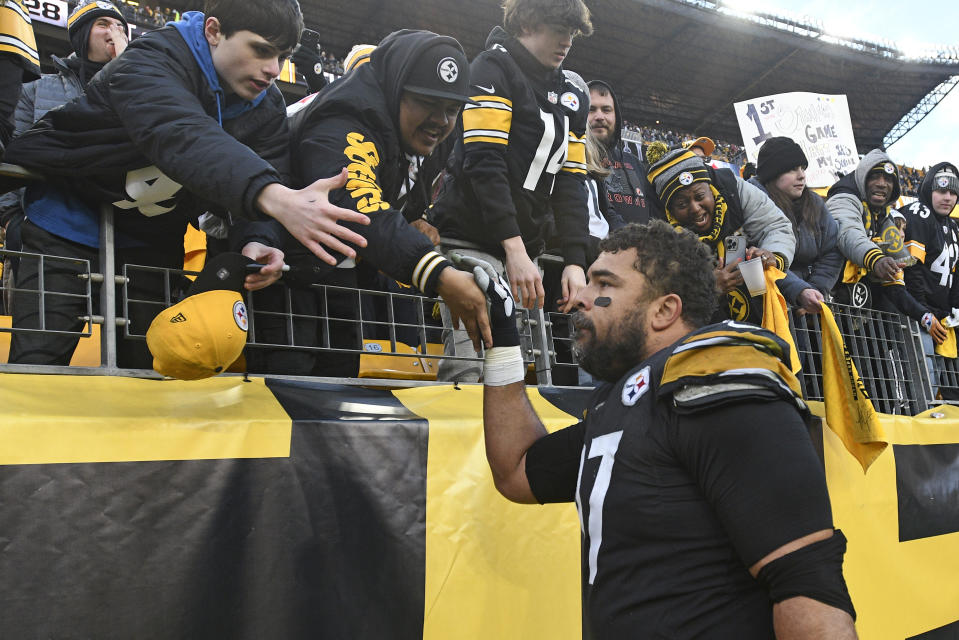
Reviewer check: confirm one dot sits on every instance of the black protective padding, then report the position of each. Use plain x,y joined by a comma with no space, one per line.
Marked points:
814,571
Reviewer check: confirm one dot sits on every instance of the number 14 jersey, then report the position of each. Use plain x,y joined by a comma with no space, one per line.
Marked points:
521,153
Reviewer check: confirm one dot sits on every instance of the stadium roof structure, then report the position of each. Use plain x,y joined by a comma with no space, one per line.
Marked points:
684,63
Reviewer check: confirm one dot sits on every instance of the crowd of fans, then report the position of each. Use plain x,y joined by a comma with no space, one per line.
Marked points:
147,16
725,151
157,16
624,188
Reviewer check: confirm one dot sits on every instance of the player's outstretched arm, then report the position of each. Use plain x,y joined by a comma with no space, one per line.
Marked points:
510,425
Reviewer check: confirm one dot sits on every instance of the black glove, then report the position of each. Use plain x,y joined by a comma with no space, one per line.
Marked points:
307,59
502,312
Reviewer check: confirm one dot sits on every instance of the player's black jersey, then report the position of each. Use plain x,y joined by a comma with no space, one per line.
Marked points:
521,153
934,241
681,487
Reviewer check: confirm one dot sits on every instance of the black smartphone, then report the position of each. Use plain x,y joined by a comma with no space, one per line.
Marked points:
310,39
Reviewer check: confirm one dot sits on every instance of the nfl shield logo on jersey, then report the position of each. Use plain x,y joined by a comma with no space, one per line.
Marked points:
552,97
636,385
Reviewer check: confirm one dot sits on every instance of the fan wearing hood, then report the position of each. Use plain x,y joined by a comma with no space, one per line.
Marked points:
932,237
870,236
626,186
379,122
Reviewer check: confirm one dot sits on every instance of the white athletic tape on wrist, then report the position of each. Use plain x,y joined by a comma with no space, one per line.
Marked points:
503,366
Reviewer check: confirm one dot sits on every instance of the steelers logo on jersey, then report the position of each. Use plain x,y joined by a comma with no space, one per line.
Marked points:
636,385
569,100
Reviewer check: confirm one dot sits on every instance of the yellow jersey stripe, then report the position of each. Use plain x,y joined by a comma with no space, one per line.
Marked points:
502,141
16,33
18,50
488,98
576,152
917,250
487,120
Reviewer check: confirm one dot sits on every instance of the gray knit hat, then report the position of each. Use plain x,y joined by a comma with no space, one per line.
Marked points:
946,179
677,169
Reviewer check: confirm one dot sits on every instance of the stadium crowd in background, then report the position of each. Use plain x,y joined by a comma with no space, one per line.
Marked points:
145,15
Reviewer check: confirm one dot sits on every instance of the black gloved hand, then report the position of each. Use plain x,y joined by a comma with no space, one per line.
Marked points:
502,312
307,59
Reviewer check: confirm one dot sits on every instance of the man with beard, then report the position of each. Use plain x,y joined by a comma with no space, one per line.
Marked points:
626,185
703,504
870,238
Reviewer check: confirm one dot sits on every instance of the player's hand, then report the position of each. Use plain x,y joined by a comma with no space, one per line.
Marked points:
574,280
810,301
937,331
886,269
466,302
502,310
270,257
728,277
427,230
525,280
308,215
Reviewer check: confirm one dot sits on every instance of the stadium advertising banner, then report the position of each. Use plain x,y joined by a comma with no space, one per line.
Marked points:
819,123
226,508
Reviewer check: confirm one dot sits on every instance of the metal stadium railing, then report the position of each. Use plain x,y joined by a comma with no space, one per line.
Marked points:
885,347
399,336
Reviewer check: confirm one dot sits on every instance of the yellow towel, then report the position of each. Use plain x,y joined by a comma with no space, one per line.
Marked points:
775,314
948,347
849,411
852,273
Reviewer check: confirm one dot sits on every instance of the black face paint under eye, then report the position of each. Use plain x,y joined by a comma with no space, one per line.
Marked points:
602,301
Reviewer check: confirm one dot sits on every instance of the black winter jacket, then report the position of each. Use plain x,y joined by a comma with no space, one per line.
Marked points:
934,241
509,169
627,187
146,138
353,123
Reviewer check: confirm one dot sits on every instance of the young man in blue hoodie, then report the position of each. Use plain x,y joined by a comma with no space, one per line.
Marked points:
187,120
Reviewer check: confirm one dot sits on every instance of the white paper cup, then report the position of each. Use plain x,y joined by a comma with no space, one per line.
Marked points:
752,271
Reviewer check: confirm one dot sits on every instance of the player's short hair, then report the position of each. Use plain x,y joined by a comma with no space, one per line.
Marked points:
529,14
673,261
279,22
